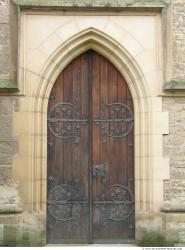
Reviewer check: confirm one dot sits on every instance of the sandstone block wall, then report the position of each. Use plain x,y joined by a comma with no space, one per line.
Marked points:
178,39
8,104
174,143
4,39
174,147
10,204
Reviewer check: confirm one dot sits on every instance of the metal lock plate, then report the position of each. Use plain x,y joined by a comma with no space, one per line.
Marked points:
99,170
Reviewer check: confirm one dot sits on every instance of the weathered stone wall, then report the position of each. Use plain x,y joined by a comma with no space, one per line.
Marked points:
10,203
8,105
8,46
174,147
178,39
4,39
6,150
174,143
16,228
8,144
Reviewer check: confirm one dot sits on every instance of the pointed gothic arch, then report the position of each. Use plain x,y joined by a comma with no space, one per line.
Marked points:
147,177
113,51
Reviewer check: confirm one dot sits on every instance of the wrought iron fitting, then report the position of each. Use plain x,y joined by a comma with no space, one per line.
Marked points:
116,121
65,121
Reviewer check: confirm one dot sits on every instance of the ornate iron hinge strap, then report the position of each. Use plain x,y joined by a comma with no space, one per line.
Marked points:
118,204
64,201
65,121
115,120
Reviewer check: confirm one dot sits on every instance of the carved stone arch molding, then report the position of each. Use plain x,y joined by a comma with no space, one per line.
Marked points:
151,168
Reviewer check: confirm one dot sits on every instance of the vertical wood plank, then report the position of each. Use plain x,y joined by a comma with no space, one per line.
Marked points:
113,153
66,162
95,111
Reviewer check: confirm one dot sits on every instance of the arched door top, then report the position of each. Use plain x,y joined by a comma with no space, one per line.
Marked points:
103,44
90,154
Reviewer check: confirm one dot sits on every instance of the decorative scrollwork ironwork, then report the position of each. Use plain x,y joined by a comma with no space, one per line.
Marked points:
116,121
116,203
64,202
64,121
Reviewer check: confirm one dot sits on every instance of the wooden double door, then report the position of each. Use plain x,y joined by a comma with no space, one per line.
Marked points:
90,192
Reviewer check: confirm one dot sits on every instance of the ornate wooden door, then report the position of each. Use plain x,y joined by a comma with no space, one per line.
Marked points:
90,195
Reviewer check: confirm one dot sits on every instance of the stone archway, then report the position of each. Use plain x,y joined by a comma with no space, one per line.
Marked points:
148,111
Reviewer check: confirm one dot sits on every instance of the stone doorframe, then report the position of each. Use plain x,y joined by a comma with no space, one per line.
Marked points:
151,168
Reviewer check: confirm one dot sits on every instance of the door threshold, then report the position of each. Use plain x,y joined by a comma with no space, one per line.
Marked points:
91,245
